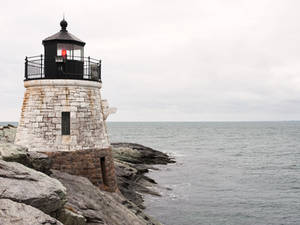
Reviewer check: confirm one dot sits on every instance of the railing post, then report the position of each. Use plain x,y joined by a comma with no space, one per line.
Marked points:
41,66
89,68
26,68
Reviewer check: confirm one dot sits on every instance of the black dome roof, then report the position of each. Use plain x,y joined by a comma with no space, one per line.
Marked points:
64,36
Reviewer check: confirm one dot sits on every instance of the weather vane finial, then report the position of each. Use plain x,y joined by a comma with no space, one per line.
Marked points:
63,24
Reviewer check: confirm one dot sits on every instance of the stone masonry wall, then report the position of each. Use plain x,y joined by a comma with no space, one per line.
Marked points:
44,101
87,163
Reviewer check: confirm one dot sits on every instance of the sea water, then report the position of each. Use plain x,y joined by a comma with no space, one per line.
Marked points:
227,173
235,173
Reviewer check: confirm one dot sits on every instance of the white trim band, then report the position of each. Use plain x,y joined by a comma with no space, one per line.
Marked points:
61,82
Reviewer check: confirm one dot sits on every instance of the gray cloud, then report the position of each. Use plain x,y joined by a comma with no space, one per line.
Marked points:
169,60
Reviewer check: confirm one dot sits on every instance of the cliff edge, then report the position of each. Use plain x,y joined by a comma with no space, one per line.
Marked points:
31,193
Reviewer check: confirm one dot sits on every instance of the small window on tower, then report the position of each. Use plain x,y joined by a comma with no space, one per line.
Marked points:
65,123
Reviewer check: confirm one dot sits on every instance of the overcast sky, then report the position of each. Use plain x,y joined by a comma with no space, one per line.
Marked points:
168,60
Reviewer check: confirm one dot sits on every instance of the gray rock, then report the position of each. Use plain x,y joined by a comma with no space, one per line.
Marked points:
139,154
100,207
8,133
132,181
22,184
132,162
14,153
68,217
13,213
40,162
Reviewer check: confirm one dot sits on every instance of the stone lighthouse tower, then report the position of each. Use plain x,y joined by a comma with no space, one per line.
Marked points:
63,114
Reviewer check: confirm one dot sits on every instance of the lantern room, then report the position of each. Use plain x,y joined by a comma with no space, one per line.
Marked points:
63,59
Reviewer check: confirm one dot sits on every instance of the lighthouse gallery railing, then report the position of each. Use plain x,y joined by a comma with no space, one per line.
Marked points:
34,68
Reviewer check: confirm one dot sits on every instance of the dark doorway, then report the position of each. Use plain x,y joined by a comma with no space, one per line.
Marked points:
103,170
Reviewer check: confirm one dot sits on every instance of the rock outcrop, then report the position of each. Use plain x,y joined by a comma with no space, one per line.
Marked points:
22,184
15,153
139,154
39,161
84,203
132,162
8,133
13,213
100,207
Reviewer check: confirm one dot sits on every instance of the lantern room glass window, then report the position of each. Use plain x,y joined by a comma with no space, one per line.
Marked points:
70,51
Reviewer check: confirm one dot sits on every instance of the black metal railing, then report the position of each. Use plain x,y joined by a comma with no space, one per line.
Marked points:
35,68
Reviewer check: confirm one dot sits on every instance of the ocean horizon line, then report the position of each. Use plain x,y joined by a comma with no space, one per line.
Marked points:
182,121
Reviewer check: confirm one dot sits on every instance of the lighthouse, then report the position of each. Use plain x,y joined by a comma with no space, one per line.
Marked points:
63,114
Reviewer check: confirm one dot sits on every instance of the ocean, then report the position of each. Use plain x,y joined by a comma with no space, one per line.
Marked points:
227,173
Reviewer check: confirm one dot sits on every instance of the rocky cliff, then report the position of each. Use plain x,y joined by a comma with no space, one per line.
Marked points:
31,193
